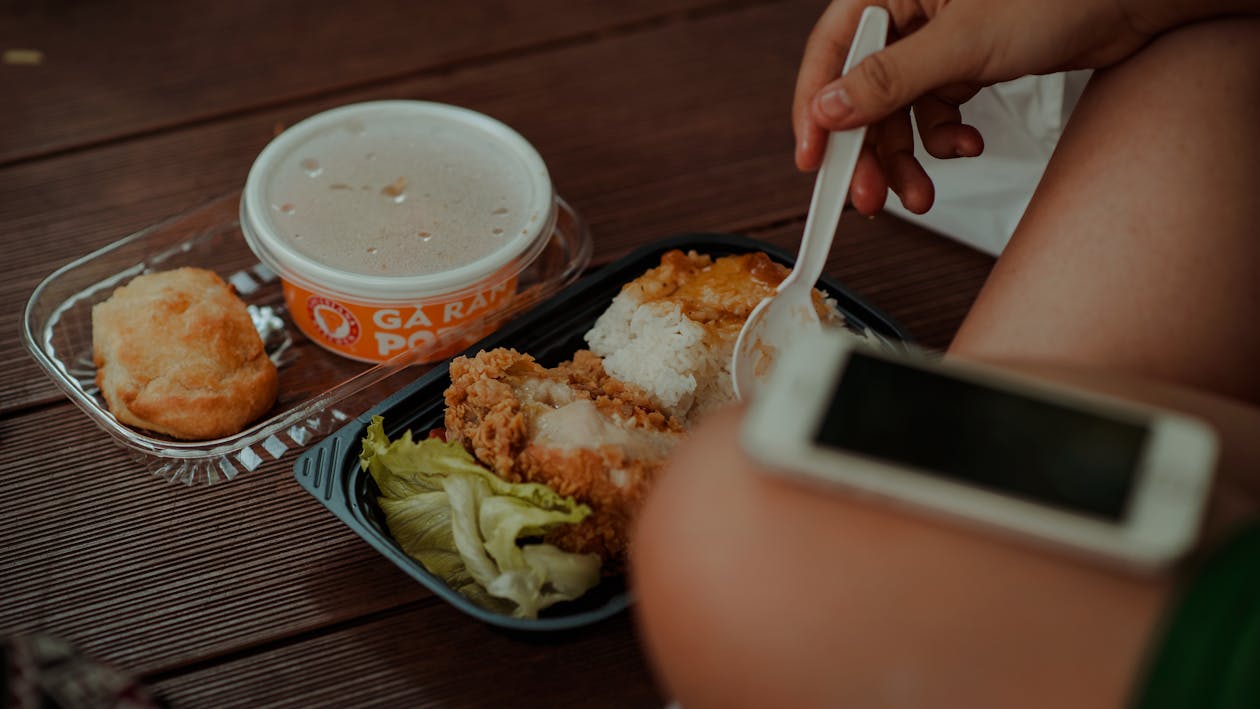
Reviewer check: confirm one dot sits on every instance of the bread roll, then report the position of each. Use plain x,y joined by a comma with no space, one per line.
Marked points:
176,353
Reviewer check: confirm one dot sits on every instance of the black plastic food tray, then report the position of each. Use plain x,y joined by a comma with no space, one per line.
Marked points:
552,332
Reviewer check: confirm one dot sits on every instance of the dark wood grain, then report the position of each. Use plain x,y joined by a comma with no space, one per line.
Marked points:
117,69
149,574
407,658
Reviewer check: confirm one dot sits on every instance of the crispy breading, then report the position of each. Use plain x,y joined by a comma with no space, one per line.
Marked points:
573,428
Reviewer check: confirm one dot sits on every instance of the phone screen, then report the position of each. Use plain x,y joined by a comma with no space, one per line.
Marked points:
1005,442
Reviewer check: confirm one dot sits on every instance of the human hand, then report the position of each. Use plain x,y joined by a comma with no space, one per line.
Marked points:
940,54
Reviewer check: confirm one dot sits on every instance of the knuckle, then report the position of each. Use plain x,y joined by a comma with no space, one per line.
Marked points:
880,78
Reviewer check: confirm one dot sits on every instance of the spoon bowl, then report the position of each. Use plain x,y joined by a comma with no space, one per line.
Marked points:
775,321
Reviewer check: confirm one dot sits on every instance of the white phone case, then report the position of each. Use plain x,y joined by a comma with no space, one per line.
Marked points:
1166,498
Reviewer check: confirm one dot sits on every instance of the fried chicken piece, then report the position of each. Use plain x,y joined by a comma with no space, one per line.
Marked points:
573,428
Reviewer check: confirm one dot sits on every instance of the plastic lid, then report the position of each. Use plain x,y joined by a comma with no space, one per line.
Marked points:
393,200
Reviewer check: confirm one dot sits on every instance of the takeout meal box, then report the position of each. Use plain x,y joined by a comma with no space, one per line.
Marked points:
319,390
551,333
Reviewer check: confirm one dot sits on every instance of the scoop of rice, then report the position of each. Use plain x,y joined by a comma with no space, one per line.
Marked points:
672,331
656,347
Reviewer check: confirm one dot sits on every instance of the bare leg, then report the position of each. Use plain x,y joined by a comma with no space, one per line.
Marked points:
1139,255
1140,252
753,591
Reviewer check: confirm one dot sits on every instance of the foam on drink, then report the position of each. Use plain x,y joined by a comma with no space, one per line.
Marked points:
387,198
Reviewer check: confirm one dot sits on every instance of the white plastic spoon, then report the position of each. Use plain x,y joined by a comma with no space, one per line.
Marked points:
790,311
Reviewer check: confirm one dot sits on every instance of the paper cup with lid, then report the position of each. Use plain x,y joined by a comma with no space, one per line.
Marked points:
397,225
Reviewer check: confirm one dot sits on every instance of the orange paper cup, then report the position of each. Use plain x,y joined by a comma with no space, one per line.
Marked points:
398,225
374,332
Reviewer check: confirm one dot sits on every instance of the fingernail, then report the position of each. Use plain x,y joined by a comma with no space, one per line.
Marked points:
835,104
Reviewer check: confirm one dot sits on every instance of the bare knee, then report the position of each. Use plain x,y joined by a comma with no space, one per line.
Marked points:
681,555
1138,253
718,591
756,592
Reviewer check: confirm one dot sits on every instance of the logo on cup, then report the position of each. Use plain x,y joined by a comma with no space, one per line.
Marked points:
333,320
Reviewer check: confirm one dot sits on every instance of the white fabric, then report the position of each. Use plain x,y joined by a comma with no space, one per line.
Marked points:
980,200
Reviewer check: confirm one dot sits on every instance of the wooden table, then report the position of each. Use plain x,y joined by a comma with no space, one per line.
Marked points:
656,117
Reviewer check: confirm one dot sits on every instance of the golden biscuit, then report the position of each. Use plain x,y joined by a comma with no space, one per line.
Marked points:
177,353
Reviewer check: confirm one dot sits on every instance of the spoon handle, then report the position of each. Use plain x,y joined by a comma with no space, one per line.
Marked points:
831,187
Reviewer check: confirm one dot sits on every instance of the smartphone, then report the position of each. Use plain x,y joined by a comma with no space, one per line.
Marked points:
1111,479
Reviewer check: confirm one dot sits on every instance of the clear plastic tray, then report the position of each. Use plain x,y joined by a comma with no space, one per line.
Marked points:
319,390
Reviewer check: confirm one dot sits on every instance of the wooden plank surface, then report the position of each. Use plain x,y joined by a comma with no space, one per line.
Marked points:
149,574
655,118
118,69
405,658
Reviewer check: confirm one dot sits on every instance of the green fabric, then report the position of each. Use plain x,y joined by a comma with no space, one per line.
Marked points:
1209,657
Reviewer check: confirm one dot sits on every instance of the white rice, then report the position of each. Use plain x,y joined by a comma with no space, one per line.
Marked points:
676,360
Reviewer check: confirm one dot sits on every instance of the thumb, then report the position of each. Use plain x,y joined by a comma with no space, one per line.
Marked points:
896,76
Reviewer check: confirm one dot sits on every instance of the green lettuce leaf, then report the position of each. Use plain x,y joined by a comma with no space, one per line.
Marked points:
466,525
